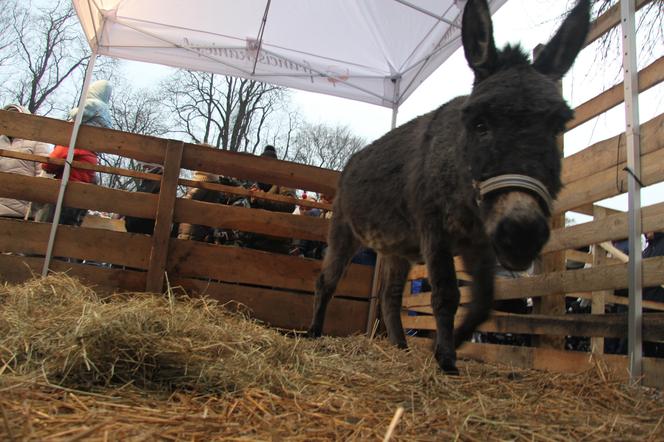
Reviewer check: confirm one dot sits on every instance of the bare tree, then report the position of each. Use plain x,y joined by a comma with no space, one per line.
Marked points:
139,111
135,111
7,48
50,54
225,112
650,22
284,137
325,146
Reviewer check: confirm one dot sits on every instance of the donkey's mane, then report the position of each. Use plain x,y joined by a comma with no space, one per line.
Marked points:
511,56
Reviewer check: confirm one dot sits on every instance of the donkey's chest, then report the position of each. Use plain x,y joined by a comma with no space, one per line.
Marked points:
387,234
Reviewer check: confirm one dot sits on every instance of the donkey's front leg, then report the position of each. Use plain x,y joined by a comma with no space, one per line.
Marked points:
480,261
444,301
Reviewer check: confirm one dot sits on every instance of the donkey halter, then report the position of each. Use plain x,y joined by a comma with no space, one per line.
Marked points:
516,182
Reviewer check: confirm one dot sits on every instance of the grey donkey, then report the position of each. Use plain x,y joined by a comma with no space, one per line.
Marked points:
475,177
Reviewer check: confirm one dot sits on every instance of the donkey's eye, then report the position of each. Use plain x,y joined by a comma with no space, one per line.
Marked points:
482,127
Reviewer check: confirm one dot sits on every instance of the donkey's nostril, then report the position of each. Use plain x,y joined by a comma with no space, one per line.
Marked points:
519,242
506,238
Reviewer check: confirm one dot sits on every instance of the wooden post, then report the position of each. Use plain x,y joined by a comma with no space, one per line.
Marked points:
551,304
164,218
375,291
598,302
551,262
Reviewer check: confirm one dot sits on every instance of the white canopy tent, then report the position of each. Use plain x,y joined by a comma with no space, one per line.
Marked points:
376,51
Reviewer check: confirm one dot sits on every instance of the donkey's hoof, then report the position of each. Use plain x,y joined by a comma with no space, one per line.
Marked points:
313,333
448,364
451,369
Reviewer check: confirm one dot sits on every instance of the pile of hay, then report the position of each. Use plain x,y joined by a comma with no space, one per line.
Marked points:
74,366
63,330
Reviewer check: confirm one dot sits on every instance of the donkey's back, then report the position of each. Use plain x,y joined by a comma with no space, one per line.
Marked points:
387,188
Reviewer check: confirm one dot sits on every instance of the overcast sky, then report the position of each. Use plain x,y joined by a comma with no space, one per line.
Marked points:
528,22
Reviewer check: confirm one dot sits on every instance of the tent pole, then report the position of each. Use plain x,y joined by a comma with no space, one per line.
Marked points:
631,91
375,284
67,168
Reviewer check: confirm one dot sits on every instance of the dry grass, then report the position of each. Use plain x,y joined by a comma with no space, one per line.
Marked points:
140,367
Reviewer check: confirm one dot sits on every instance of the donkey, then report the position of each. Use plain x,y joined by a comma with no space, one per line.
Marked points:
476,177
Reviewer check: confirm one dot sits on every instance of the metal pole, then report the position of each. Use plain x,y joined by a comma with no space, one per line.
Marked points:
375,285
67,169
631,90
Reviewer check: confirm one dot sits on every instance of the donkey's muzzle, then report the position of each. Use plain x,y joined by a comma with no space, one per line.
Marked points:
518,242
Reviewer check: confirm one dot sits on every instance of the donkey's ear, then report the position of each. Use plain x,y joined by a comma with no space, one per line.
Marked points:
477,38
559,54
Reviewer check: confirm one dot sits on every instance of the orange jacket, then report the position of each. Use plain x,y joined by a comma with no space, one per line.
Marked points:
80,175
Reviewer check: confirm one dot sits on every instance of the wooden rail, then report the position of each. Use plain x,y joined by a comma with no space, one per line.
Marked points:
609,19
232,190
152,150
609,325
144,205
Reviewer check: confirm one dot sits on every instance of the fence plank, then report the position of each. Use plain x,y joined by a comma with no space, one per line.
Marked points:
608,277
608,183
609,325
649,76
144,205
233,190
613,227
261,169
285,225
16,269
96,139
241,191
153,150
79,195
164,219
81,165
76,242
598,300
599,278
609,153
562,361
283,309
609,19
247,266
422,301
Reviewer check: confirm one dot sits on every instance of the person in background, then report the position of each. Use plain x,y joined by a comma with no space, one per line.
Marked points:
134,224
270,152
11,208
95,113
654,247
263,242
304,247
196,232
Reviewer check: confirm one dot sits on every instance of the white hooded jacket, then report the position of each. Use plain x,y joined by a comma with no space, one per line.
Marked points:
11,207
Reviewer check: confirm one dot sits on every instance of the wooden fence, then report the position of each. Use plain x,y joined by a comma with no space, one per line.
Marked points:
277,288
548,289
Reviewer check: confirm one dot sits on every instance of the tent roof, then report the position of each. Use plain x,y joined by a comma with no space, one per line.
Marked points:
376,51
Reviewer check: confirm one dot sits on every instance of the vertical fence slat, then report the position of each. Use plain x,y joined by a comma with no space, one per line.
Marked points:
552,262
598,302
164,218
